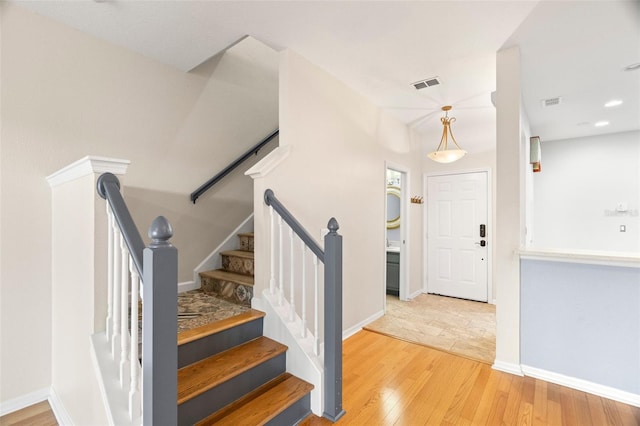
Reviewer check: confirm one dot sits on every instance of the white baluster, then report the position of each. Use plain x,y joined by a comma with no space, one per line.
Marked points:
304,289
280,262
110,233
292,301
134,388
124,316
316,335
272,236
117,287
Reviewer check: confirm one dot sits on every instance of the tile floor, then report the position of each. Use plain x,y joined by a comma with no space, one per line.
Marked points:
461,327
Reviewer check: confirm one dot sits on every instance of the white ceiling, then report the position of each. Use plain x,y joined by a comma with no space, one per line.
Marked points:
571,49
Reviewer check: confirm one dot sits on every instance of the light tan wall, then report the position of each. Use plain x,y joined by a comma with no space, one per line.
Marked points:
66,95
339,143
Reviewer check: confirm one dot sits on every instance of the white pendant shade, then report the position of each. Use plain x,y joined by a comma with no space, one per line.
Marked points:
447,155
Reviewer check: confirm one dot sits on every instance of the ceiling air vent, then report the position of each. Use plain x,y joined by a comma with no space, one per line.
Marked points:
423,84
551,102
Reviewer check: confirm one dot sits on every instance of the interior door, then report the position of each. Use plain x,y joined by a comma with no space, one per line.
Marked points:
457,243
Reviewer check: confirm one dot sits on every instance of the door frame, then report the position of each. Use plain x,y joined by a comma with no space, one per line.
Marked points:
404,231
492,234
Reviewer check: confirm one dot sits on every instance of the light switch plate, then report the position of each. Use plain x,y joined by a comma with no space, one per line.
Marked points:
623,228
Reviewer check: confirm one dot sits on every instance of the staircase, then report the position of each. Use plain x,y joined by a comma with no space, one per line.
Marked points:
229,373
234,282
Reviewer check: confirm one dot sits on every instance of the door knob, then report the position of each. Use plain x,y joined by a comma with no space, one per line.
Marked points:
482,243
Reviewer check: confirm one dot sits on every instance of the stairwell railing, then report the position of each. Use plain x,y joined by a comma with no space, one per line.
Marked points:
331,257
149,273
232,166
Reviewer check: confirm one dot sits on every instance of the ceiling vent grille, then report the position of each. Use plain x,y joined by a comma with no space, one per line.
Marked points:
551,102
429,82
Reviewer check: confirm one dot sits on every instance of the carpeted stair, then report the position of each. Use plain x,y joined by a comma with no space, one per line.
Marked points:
234,281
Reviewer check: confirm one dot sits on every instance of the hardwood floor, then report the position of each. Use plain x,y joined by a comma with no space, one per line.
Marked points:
388,381
392,382
39,414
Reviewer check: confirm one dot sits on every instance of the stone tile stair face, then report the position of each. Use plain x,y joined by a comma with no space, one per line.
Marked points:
234,282
232,375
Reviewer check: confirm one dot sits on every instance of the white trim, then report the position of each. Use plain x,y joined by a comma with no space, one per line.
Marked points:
23,401
114,398
359,326
86,166
214,260
583,385
188,286
269,162
415,294
507,367
630,260
491,235
62,416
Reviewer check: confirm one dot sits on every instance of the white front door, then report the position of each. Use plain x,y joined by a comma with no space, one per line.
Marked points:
457,262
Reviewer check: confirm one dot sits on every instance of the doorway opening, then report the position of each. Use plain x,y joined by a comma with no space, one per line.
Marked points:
396,231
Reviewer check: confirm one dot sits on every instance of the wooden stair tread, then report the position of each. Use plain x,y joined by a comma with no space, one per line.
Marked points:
258,409
218,326
199,377
238,253
225,411
221,274
245,234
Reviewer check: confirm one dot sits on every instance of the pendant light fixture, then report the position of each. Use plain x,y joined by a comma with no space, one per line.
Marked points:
443,154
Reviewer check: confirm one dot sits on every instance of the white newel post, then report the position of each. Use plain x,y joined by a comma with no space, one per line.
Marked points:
82,288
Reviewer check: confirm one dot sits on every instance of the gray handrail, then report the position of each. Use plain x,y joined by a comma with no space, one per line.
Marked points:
157,266
332,259
271,200
253,151
109,188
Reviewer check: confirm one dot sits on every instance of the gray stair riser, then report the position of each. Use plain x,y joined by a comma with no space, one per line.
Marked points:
241,265
294,413
214,399
246,243
230,291
219,342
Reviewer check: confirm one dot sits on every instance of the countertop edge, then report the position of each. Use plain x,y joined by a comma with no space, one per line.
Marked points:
581,256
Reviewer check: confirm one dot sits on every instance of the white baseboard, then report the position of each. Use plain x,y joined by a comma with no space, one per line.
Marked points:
507,367
187,286
353,330
415,294
583,385
23,401
62,416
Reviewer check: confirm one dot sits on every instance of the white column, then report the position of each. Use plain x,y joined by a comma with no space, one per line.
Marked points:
124,315
117,287
304,288
292,284
508,207
110,238
272,254
134,388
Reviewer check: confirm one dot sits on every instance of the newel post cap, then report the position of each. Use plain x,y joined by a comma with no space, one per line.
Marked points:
333,225
160,232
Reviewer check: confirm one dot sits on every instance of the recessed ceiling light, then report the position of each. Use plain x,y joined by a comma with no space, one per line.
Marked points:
601,123
632,67
613,103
